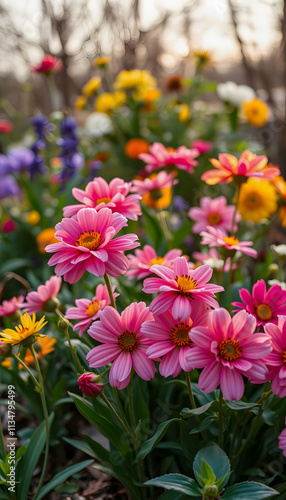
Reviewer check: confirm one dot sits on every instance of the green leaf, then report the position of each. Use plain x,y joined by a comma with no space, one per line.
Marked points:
62,476
152,228
240,405
151,443
216,458
248,490
100,453
14,264
67,488
31,194
128,482
207,473
176,482
81,445
4,496
186,412
173,495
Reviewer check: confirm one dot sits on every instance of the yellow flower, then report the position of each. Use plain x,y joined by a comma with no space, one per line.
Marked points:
202,57
256,112
91,87
33,218
106,102
80,102
257,200
134,79
45,345
101,61
183,112
46,237
28,327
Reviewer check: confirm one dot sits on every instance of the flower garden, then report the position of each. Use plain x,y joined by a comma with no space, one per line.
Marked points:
143,294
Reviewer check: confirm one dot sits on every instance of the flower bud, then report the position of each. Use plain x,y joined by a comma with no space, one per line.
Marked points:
210,491
5,350
90,384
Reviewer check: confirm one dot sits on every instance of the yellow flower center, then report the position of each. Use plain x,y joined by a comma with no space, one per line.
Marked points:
92,308
89,239
157,260
186,283
229,350
264,312
128,341
102,200
179,335
231,240
214,218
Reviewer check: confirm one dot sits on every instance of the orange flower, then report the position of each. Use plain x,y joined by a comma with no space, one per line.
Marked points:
46,237
256,112
44,346
135,147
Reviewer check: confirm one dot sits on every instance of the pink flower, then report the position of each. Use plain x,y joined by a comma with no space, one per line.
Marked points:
8,226
217,238
202,146
38,301
90,384
282,441
225,350
6,126
162,180
160,157
181,288
264,306
87,244
99,194
141,262
11,306
123,343
213,260
171,339
215,213
88,310
48,65
276,360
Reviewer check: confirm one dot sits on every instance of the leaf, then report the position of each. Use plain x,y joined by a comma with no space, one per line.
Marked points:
32,196
14,264
172,495
81,445
248,490
128,482
151,443
186,412
152,228
176,482
240,405
67,488
204,424
216,458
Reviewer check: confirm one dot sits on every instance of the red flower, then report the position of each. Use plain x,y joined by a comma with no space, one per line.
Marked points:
6,127
48,65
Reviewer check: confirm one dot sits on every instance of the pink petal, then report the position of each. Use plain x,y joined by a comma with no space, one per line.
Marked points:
101,355
231,384
121,367
209,379
181,308
143,366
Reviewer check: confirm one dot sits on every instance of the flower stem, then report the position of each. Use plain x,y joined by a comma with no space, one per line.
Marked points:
193,404
220,438
229,285
2,445
109,288
19,360
114,412
65,328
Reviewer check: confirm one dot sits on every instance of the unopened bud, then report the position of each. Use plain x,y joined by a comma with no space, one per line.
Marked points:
51,305
90,384
210,491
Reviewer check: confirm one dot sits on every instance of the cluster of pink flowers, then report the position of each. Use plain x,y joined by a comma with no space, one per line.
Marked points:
144,259
160,157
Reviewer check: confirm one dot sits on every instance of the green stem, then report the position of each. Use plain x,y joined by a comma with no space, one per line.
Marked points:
19,360
220,416
109,288
131,404
253,430
236,208
2,445
119,406
229,286
193,404
65,328
118,418
53,91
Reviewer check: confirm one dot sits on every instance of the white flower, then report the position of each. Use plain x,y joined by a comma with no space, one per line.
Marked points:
235,94
279,250
282,284
97,124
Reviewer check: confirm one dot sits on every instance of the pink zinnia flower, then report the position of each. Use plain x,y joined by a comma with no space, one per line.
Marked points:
38,301
11,306
214,212
227,349
264,306
6,126
141,262
179,287
202,146
88,310
48,65
87,244
160,157
171,339
282,441
90,384
276,360
162,180
99,194
217,238
123,343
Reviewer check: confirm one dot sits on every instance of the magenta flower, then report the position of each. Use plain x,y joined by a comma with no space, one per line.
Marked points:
226,350
264,306
48,65
160,157
217,238
160,181
87,244
99,194
90,384
88,310
282,441
276,360
141,262
181,288
202,146
214,213
38,301
11,306
123,343
171,339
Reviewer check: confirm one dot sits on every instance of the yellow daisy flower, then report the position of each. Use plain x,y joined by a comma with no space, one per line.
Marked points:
134,79
33,217
28,327
91,87
202,57
80,102
183,112
256,112
102,61
106,102
257,200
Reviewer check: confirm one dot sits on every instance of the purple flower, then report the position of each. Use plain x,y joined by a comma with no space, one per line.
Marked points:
8,187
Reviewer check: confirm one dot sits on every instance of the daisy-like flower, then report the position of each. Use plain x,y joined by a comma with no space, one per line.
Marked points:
87,244
282,441
181,288
276,360
160,157
11,306
228,349
264,306
156,190
43,298
29,327
202,146
228,168
170,339
48,65
141,262
99,194
257,200
217,238
256,112
88,310
214,212
123,343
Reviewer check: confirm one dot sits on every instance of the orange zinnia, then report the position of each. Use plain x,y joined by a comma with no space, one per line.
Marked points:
135,147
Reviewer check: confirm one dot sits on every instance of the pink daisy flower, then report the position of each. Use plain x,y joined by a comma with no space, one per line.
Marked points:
141,262
88,310
162,180
99,194
214,212
87,244
282,441
37,301
202,146
264,306
11,306
123,343
179,287
226,350
276,360
160,157
217,238
171,339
